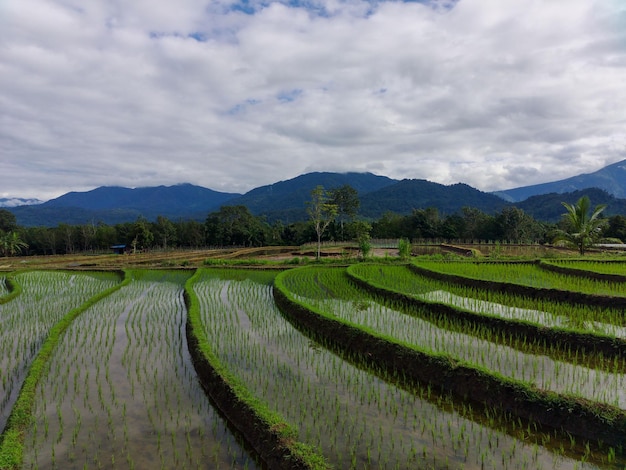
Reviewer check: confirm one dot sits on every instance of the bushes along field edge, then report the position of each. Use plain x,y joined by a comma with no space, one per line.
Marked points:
274,440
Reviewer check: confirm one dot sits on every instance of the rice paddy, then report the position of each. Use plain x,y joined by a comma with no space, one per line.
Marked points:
120,389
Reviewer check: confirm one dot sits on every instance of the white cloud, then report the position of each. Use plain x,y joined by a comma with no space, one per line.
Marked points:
494,94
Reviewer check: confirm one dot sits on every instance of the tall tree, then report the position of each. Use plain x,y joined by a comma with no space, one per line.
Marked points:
346,198
8,222
165,231
583,229
322,212
235,225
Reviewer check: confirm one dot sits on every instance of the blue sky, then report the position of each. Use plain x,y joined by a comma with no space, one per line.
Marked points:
233,95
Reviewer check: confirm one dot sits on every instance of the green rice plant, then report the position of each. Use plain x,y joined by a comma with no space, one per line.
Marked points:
11,287
613,267
4,287
356,417
120,389
12,438
543,372
527,274
571,326
27,319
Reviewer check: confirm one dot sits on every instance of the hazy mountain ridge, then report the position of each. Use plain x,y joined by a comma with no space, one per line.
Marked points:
611,178
286,200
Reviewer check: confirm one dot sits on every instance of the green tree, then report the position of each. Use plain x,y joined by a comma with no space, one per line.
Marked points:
617,227
165,231
513,224
322,212
8,222
583,229
346,198
142,236
362,235
11,243
235,225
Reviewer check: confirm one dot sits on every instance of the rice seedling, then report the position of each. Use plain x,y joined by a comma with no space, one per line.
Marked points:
26,320
585,318
358,419
121,392
328,290
527,274
617,267
4,288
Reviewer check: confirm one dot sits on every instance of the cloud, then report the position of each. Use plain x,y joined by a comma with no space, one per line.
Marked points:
233,95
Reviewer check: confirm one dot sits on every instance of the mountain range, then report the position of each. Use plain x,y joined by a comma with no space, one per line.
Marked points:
611,178
286,200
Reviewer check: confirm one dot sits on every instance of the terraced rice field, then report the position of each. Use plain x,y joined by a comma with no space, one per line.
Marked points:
119,388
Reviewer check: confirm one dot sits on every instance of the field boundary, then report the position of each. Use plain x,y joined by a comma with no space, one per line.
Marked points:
579,417
273,439
14,288
589,274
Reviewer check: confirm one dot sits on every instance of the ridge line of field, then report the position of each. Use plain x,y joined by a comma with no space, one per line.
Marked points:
523,290
13,287
609,346
586,273
267,432
579,417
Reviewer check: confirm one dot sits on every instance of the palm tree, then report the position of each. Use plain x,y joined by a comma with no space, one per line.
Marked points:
11,243
585,229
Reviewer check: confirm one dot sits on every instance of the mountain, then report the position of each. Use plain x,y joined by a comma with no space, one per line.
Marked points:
17,201
409,194
611,178
286,200
112,205
548,207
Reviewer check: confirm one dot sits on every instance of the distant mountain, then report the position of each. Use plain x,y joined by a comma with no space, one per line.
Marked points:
548,207
286,200
18,201
611,178
409,194
111,205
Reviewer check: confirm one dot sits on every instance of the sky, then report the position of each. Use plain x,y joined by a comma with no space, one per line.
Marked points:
236,94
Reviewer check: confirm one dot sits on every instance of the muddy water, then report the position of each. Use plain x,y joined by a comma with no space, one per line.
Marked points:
358,420
26,320
122,393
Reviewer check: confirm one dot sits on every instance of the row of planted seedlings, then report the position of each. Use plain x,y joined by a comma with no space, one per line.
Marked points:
607,269
529,278
570,332
4,286
273,439
120,391
605,298
45,297
356,416
588,403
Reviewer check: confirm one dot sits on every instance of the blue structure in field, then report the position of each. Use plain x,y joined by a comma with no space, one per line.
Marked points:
119,249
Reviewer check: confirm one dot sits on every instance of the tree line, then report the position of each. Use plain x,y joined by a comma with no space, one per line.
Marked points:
333,216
